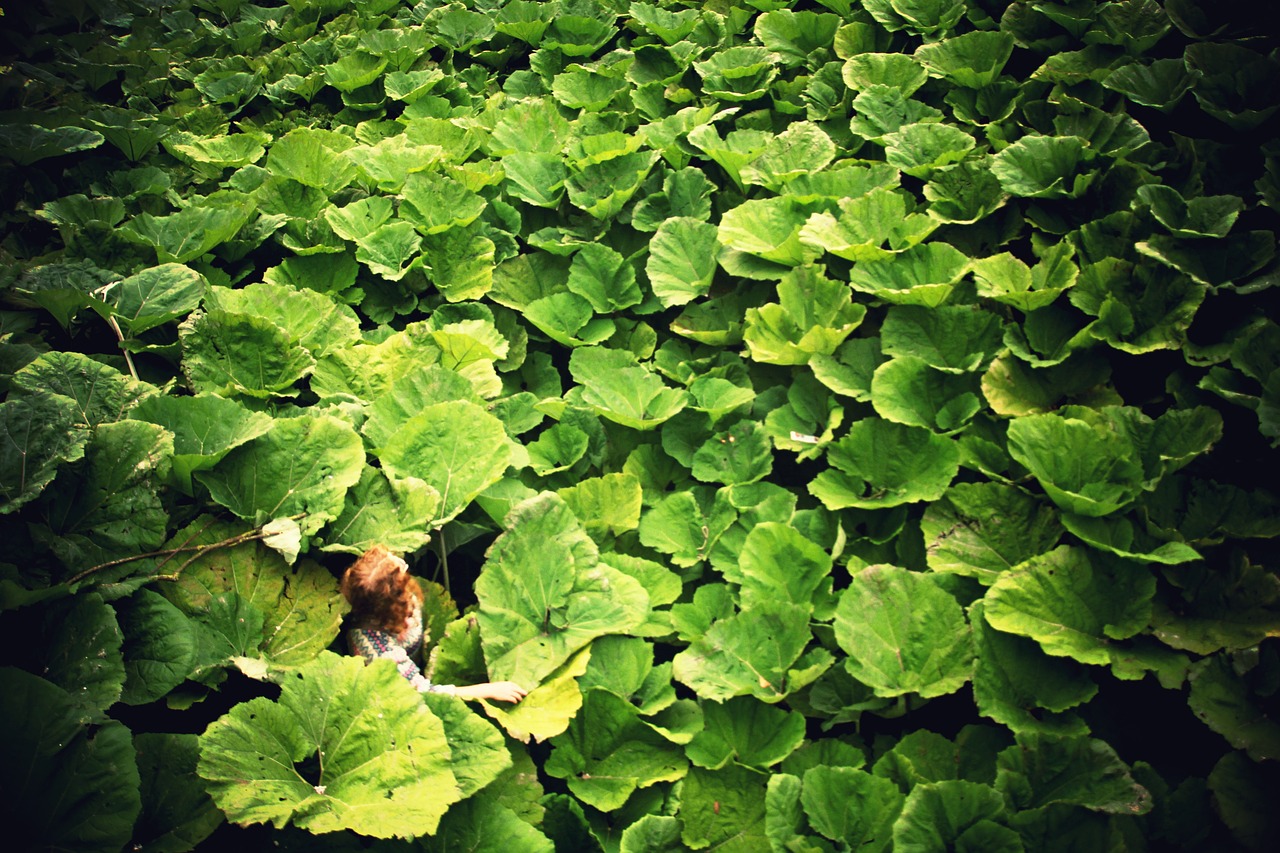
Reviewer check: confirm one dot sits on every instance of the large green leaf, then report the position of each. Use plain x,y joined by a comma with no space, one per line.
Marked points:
753,653
25,144
230,353
455,447
1074,604
903,633
67,786
813,316
313,320
779,561
112,510
849,805
1016,684
313,157
177,813
982,530
1045,167
1082,771
608,753
40,433
156,295
101,393
186,235
300,604
395,513
922,275
746,732
302,466
86,662
619,389
953,814
880,464
1083,468
1228,702
159,646
205,428
544,594
346,746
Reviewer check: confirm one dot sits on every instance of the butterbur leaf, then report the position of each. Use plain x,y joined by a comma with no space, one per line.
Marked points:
686,527
544,594
1202,216
395,513
945,815
549,707
313,320
909,391
159,646
383,767
619,389
300,604
455,447
921,148
752,653
301,466
982,530
1229,703
682,260
157,295
747,732
87,664
1016,684
897,70
113,509
313,157
1045,167
608,505
229,353
776,558
189,233
739,73
922,275
1074,604
865,224
972,60
882,464
724,808
1160,83
205,428
849,805
25,144
604,278
903,633
813,316
607,753
177,813
953,339
92,771
1083,468
801,149
1072,769
101,393
1120,536
963,193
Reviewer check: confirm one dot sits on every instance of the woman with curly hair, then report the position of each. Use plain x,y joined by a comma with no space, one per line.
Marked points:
386,622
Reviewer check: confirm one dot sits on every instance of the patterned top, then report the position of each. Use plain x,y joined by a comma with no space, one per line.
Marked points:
403,648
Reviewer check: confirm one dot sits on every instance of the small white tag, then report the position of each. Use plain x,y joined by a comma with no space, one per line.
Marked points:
801,437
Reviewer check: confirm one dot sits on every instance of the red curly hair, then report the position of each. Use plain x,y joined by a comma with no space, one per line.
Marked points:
380,593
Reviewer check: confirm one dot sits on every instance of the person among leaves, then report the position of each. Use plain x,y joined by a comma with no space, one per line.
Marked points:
386,622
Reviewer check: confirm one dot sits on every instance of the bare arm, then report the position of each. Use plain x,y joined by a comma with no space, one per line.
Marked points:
500,691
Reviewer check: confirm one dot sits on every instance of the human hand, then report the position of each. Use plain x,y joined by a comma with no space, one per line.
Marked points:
500,691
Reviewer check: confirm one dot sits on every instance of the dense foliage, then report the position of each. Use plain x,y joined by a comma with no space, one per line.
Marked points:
852,419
